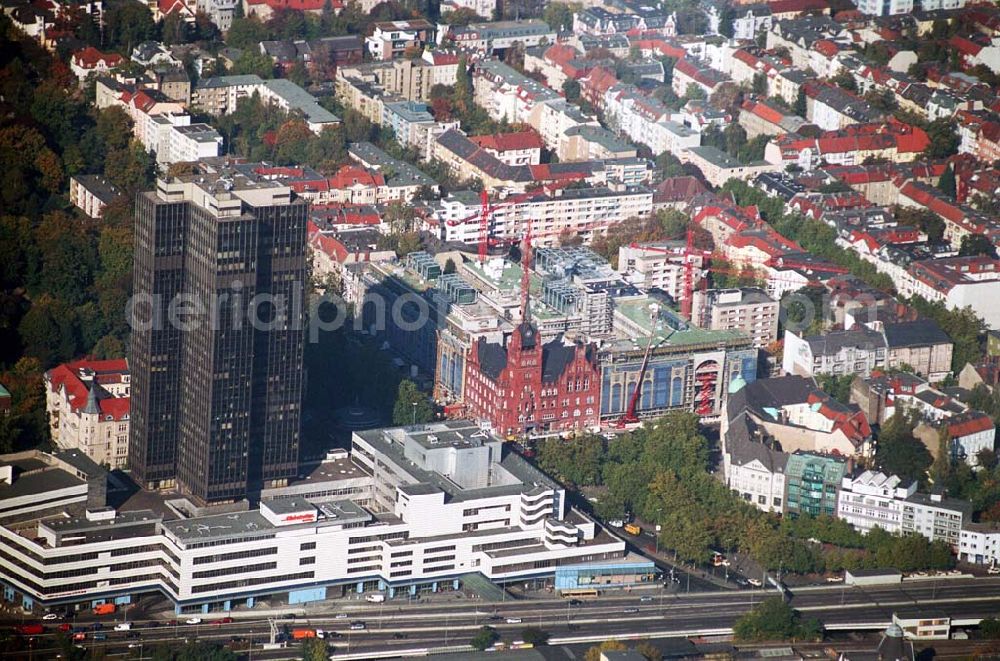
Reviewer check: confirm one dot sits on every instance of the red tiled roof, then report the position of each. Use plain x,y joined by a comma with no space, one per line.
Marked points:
764,111
965,424
90,57
170,6
501,142
67,376
352,175
964,46
826,47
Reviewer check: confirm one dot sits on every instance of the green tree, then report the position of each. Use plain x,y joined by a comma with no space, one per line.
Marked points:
571,90
535,636
314,649
837,386
127,24
899,452
694,92
576,461
411,405
254,62
989,628
946,184
759,86
463,92
801,103
845,80
944,139
484,638
976,244
774,620
736,139
559,15
247,33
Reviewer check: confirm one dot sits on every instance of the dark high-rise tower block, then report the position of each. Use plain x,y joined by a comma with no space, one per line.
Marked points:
218,335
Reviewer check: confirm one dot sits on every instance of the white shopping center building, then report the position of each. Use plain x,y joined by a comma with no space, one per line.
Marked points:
409,509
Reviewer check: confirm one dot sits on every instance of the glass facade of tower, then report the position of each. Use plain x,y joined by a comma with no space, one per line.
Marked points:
220,368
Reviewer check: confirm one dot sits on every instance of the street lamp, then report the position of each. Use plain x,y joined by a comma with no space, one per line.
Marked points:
414,404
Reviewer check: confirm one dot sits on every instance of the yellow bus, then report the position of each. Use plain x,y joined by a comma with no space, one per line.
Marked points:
633,529
580,593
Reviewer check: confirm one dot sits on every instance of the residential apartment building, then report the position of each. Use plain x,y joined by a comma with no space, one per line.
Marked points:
219,96
87,402
718,167
217,402
964,436
658,265
979,543
580,212
855,351
390,40
811,483
91,193
874,499
749,310
519,148
957,282
488,38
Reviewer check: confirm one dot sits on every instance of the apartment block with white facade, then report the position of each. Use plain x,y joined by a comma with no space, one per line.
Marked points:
410,509
980,543
874,499
581,212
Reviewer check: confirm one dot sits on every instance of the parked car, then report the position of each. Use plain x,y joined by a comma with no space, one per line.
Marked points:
340,616
993,570
123,626
193,620
64,627
645,599
51,616
755,582
513,620
100,635
631,610
357,626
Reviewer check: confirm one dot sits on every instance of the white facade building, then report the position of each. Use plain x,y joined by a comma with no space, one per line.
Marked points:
980,543
582,212
410,509
878,500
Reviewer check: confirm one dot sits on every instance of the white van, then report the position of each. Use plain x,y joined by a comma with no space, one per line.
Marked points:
375,598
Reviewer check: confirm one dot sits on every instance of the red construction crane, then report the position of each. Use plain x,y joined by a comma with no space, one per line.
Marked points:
631,415
486,210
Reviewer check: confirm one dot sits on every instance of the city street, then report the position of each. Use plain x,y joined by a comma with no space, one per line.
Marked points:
666,614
